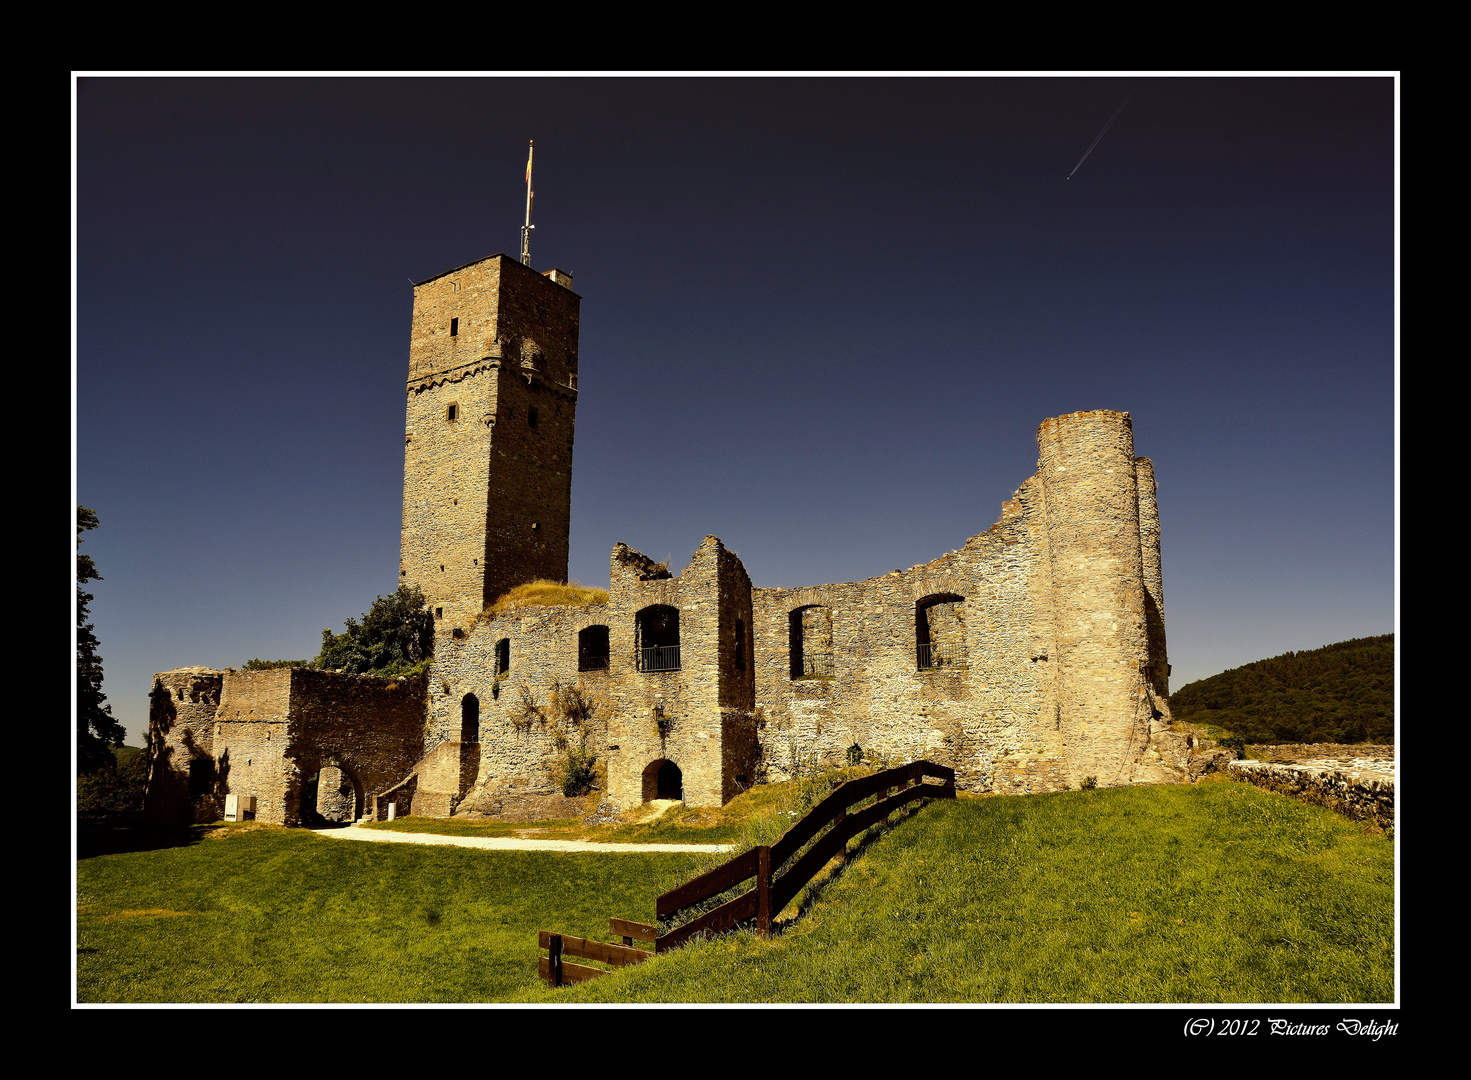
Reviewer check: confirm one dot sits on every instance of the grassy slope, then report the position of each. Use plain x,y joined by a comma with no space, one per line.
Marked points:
1215,893
1219,892
285,916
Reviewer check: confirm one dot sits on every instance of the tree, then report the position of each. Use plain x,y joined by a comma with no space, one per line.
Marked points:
395,636
97,730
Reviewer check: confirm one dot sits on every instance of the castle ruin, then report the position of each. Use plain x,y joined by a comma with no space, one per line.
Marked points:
1029,659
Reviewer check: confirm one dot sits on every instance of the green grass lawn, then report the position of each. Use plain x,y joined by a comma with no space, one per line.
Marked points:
1218,892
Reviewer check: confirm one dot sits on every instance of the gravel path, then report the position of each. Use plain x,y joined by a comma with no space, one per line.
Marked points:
507,843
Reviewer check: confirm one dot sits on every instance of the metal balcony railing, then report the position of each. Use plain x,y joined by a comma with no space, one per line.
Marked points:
814,667
945,655
659,658
592,662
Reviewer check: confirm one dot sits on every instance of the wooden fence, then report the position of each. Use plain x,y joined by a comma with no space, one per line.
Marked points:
775,887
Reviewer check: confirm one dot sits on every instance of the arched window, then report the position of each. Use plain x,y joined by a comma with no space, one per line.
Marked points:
810,640
592,649
656,630
469,718
939,632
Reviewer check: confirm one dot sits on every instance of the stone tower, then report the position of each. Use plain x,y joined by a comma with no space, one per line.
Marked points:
492,399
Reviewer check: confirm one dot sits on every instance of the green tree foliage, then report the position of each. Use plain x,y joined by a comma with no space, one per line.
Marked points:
97,731
1341,693
396,637
271,665
117,789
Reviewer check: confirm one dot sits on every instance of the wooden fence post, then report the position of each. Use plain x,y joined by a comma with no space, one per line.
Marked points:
763,890
554,967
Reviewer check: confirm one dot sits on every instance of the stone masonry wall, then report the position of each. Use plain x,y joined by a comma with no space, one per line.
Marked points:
1091,499
707,702
369,727
1158,671
252,737
488,435
1358,787
515,752
278,728
181,722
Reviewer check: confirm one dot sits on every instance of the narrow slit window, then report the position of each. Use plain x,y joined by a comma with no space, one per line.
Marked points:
454,327
452,411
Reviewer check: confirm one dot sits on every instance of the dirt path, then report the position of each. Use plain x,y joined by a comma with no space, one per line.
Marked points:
507,843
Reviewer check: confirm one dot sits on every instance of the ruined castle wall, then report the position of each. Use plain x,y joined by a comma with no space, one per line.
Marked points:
276,729
1015,738
690,698
515,753
1091,501
1050,687
876,696
372,728
970,709
252,739
181,723
1158,671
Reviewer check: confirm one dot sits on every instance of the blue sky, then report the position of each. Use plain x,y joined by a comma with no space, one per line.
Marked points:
822,319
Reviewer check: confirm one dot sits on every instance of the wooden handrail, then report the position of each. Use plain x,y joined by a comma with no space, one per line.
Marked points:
772,893
766,901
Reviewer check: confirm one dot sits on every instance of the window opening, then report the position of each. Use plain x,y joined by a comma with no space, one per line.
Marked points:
201,776
810,641
452,411
454,327
503,656
592,649
656,630
469,719
939,632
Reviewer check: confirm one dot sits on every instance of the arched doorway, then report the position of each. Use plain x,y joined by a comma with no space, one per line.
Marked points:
662,780
331,796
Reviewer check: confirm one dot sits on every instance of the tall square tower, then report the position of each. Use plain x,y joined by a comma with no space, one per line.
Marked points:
492,400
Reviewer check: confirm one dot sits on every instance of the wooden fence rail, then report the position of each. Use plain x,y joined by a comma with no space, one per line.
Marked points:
772,892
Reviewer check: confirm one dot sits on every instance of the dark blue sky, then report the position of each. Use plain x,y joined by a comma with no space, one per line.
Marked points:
822,319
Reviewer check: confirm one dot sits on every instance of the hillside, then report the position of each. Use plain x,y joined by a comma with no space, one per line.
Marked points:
1341,693
1194,892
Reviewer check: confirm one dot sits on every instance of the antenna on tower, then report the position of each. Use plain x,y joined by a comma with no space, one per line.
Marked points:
526,229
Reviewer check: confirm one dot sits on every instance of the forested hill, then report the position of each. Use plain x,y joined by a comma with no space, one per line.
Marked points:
1340,693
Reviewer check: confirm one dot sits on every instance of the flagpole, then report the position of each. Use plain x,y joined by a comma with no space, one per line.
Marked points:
526,228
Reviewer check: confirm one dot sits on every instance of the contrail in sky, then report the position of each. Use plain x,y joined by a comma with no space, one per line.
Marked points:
1106,126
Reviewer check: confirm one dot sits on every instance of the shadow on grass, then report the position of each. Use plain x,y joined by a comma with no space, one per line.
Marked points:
94,840
813,892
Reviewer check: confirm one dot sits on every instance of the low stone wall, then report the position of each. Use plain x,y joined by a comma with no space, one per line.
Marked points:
529,807
1358,787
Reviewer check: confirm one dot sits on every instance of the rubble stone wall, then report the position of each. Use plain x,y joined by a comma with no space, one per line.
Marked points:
491,410
1363,791
181,721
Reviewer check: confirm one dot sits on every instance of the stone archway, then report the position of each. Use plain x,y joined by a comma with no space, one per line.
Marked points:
331,795
662,779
